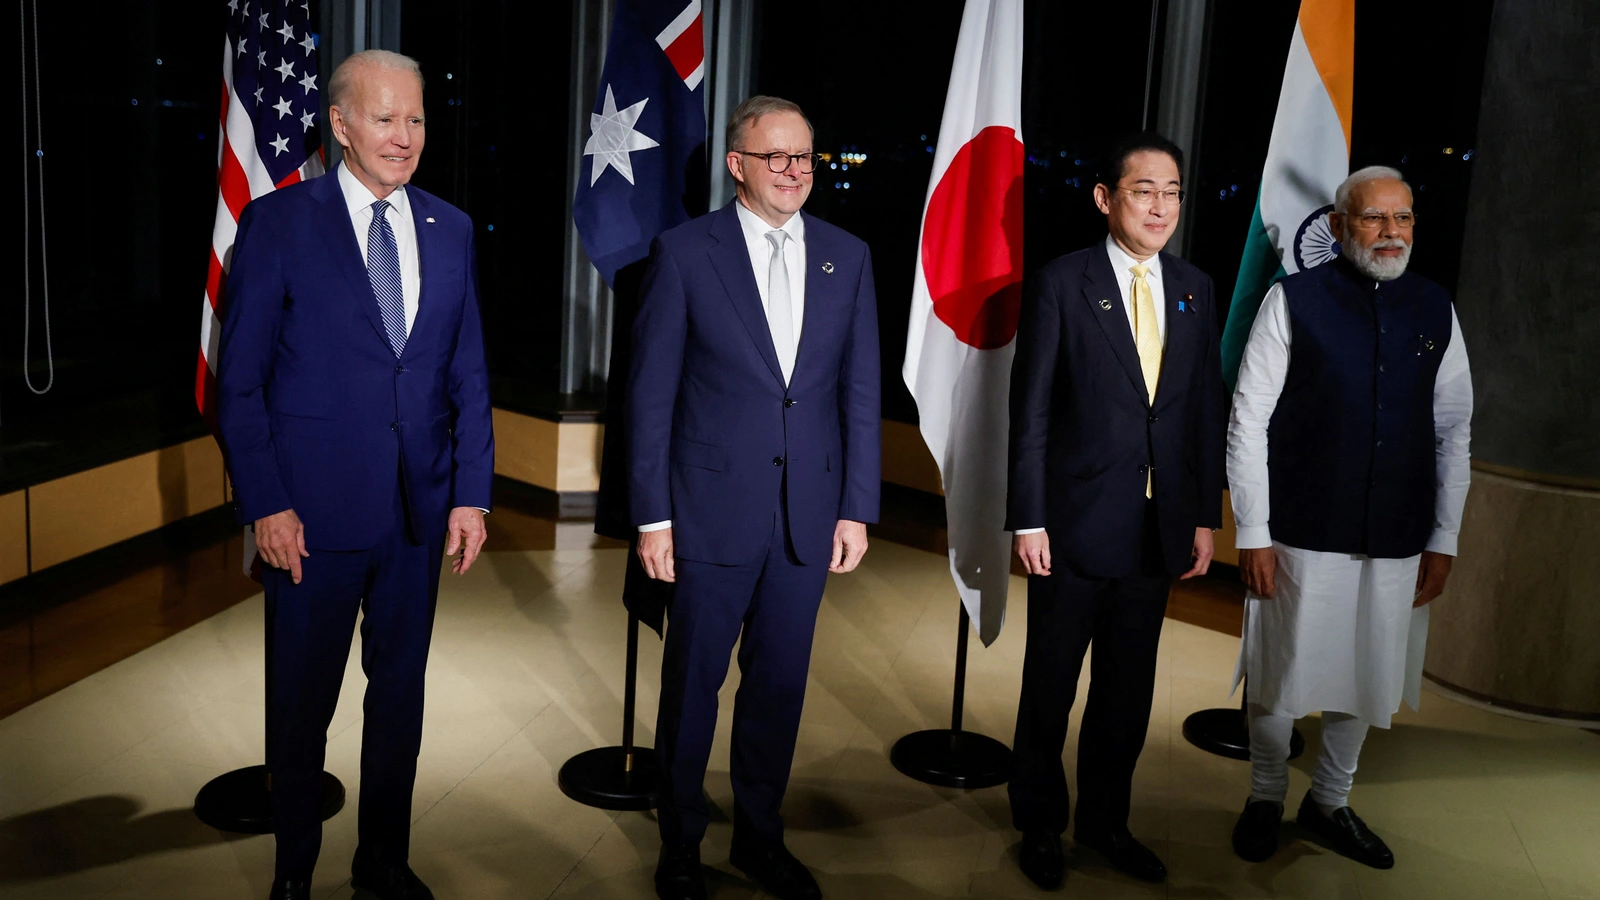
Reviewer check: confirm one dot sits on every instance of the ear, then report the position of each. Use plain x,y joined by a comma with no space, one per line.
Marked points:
1336,223
1102,198
736,165
336,119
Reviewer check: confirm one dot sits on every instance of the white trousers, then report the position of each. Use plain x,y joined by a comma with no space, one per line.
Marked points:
1335,772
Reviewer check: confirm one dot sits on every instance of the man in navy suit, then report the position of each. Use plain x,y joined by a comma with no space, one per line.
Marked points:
753,412
354,413
1117,437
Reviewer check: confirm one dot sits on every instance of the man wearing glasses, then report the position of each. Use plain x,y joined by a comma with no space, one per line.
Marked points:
1117,436
753,419
1348,459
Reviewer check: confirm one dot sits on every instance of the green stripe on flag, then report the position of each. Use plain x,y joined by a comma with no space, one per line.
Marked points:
1258,269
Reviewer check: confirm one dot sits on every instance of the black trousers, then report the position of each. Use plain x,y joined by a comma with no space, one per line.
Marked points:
1122,617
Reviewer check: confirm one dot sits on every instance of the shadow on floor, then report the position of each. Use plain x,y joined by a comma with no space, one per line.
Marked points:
94,832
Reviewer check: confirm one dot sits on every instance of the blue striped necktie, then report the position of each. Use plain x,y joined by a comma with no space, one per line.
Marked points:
383,270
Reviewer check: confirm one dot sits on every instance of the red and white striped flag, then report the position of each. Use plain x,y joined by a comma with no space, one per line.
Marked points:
967,297
271,137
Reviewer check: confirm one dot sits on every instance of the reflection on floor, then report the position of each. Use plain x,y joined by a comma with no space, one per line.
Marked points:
96,779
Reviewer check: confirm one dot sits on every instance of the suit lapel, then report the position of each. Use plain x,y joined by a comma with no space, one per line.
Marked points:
1103,294
1182,328
820,290
731,258
428,264
339,236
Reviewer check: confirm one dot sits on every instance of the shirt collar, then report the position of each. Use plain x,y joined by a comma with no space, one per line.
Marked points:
359,199
756,228
1121,262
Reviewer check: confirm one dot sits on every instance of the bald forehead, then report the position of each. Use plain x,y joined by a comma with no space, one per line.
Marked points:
1380,193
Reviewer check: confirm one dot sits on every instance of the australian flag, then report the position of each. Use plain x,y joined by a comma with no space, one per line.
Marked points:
644,163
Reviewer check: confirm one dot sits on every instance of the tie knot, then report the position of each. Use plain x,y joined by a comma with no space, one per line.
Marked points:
1139,271
777,238
379,208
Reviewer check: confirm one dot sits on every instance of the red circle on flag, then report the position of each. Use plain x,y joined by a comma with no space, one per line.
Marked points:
972,240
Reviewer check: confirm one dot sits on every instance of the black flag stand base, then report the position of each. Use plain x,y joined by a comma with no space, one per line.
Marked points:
953,757
241,801
1226,732
624,777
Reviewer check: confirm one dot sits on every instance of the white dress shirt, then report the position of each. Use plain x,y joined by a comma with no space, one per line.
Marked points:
1121,264
359,200
794,256
1262,371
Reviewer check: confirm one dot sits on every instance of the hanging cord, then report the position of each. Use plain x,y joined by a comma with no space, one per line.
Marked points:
27,217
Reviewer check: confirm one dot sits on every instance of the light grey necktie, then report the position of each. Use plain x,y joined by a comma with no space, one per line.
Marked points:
780,308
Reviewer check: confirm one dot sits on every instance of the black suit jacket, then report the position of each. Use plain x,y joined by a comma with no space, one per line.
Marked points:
1083,433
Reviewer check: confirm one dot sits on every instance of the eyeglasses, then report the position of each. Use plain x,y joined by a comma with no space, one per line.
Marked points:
778,162
1372,221
1147,196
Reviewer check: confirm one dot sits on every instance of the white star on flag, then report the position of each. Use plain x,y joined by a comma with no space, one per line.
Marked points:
308,83
286,69
614,138
261,58
233,6
283,107
258,95
264,25
307,123
287,31
281,145
309,44
242,42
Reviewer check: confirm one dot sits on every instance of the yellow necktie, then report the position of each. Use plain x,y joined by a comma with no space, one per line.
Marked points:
1147,338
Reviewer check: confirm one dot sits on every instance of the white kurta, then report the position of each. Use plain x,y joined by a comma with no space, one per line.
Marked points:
1340,633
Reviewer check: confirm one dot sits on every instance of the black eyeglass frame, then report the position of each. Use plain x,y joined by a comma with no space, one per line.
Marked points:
787,159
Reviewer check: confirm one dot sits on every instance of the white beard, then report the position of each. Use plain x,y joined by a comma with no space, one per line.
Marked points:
1369,263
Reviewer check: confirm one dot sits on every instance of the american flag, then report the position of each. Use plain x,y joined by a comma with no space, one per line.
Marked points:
271,137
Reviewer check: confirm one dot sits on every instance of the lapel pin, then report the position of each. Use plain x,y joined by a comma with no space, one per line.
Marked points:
827,267
1186,304
1105,304
430,220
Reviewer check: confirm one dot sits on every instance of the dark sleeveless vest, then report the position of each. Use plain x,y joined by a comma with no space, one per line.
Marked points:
1351,443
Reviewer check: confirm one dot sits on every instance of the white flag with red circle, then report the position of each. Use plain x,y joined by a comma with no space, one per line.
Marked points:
966,300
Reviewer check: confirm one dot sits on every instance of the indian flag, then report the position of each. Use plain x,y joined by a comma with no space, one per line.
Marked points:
1308,156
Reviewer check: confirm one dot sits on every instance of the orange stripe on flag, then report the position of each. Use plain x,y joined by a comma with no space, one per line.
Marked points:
1329,28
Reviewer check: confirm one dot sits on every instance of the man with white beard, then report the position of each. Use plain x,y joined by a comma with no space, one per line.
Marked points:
1348,464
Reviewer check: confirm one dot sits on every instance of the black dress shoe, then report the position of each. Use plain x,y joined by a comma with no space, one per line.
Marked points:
387,882
774,868
678,875
1255,836
1347,833
1041,858
1126,855
286,889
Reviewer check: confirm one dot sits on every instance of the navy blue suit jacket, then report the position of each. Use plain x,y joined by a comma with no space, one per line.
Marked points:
1083,431
316,413
714,435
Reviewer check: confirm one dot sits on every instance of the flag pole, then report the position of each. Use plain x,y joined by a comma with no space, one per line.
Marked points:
621,777
954,757
1226,732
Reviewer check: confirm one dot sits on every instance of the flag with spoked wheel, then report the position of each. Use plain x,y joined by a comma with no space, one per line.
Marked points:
1307,157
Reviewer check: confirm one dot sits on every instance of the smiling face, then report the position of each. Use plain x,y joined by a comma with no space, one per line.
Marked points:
381,127
1141,229
774,196
1371,234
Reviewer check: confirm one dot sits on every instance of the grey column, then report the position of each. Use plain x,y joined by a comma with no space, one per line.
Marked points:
348,27
1520,622
586,306
732,72
1182,97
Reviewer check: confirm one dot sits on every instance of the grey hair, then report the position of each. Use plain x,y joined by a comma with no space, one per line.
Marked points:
339,85
754,108
1341,197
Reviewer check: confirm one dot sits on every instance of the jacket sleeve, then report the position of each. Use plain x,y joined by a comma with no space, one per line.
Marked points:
467,381
1213,425
659,334
252,315
861,406
1033,373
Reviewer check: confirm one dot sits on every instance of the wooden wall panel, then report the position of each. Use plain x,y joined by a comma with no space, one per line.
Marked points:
578,457
906,460
527,449
13,536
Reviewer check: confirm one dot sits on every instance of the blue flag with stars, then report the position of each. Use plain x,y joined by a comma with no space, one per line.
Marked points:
644,167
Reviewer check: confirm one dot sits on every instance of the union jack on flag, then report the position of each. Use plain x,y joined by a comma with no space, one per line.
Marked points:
271,137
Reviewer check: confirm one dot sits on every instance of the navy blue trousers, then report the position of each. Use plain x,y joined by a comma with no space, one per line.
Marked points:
395,586
770,608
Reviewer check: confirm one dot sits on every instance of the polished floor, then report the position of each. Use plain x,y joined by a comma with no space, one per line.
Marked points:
97,777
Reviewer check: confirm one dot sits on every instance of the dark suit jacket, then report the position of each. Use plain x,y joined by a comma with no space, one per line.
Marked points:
1083,433
714,434
314,410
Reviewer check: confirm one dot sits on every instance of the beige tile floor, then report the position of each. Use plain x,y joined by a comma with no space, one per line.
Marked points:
96,781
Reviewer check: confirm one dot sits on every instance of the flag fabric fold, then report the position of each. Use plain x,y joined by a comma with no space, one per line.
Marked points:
1307,157
966,300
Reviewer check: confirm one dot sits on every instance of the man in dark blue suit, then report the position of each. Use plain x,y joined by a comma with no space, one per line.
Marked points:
1118,427
354,413
753,414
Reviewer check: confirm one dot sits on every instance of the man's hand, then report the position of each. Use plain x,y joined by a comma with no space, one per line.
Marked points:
1431,576
1034,551
467,534
655,551
1259,570
1205,548
849,545
281,542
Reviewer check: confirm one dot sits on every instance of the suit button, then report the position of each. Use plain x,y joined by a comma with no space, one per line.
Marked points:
1382,367
1152,419
1143,469
777,460
399,370
1380,443
1380,406
787,403
394,426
